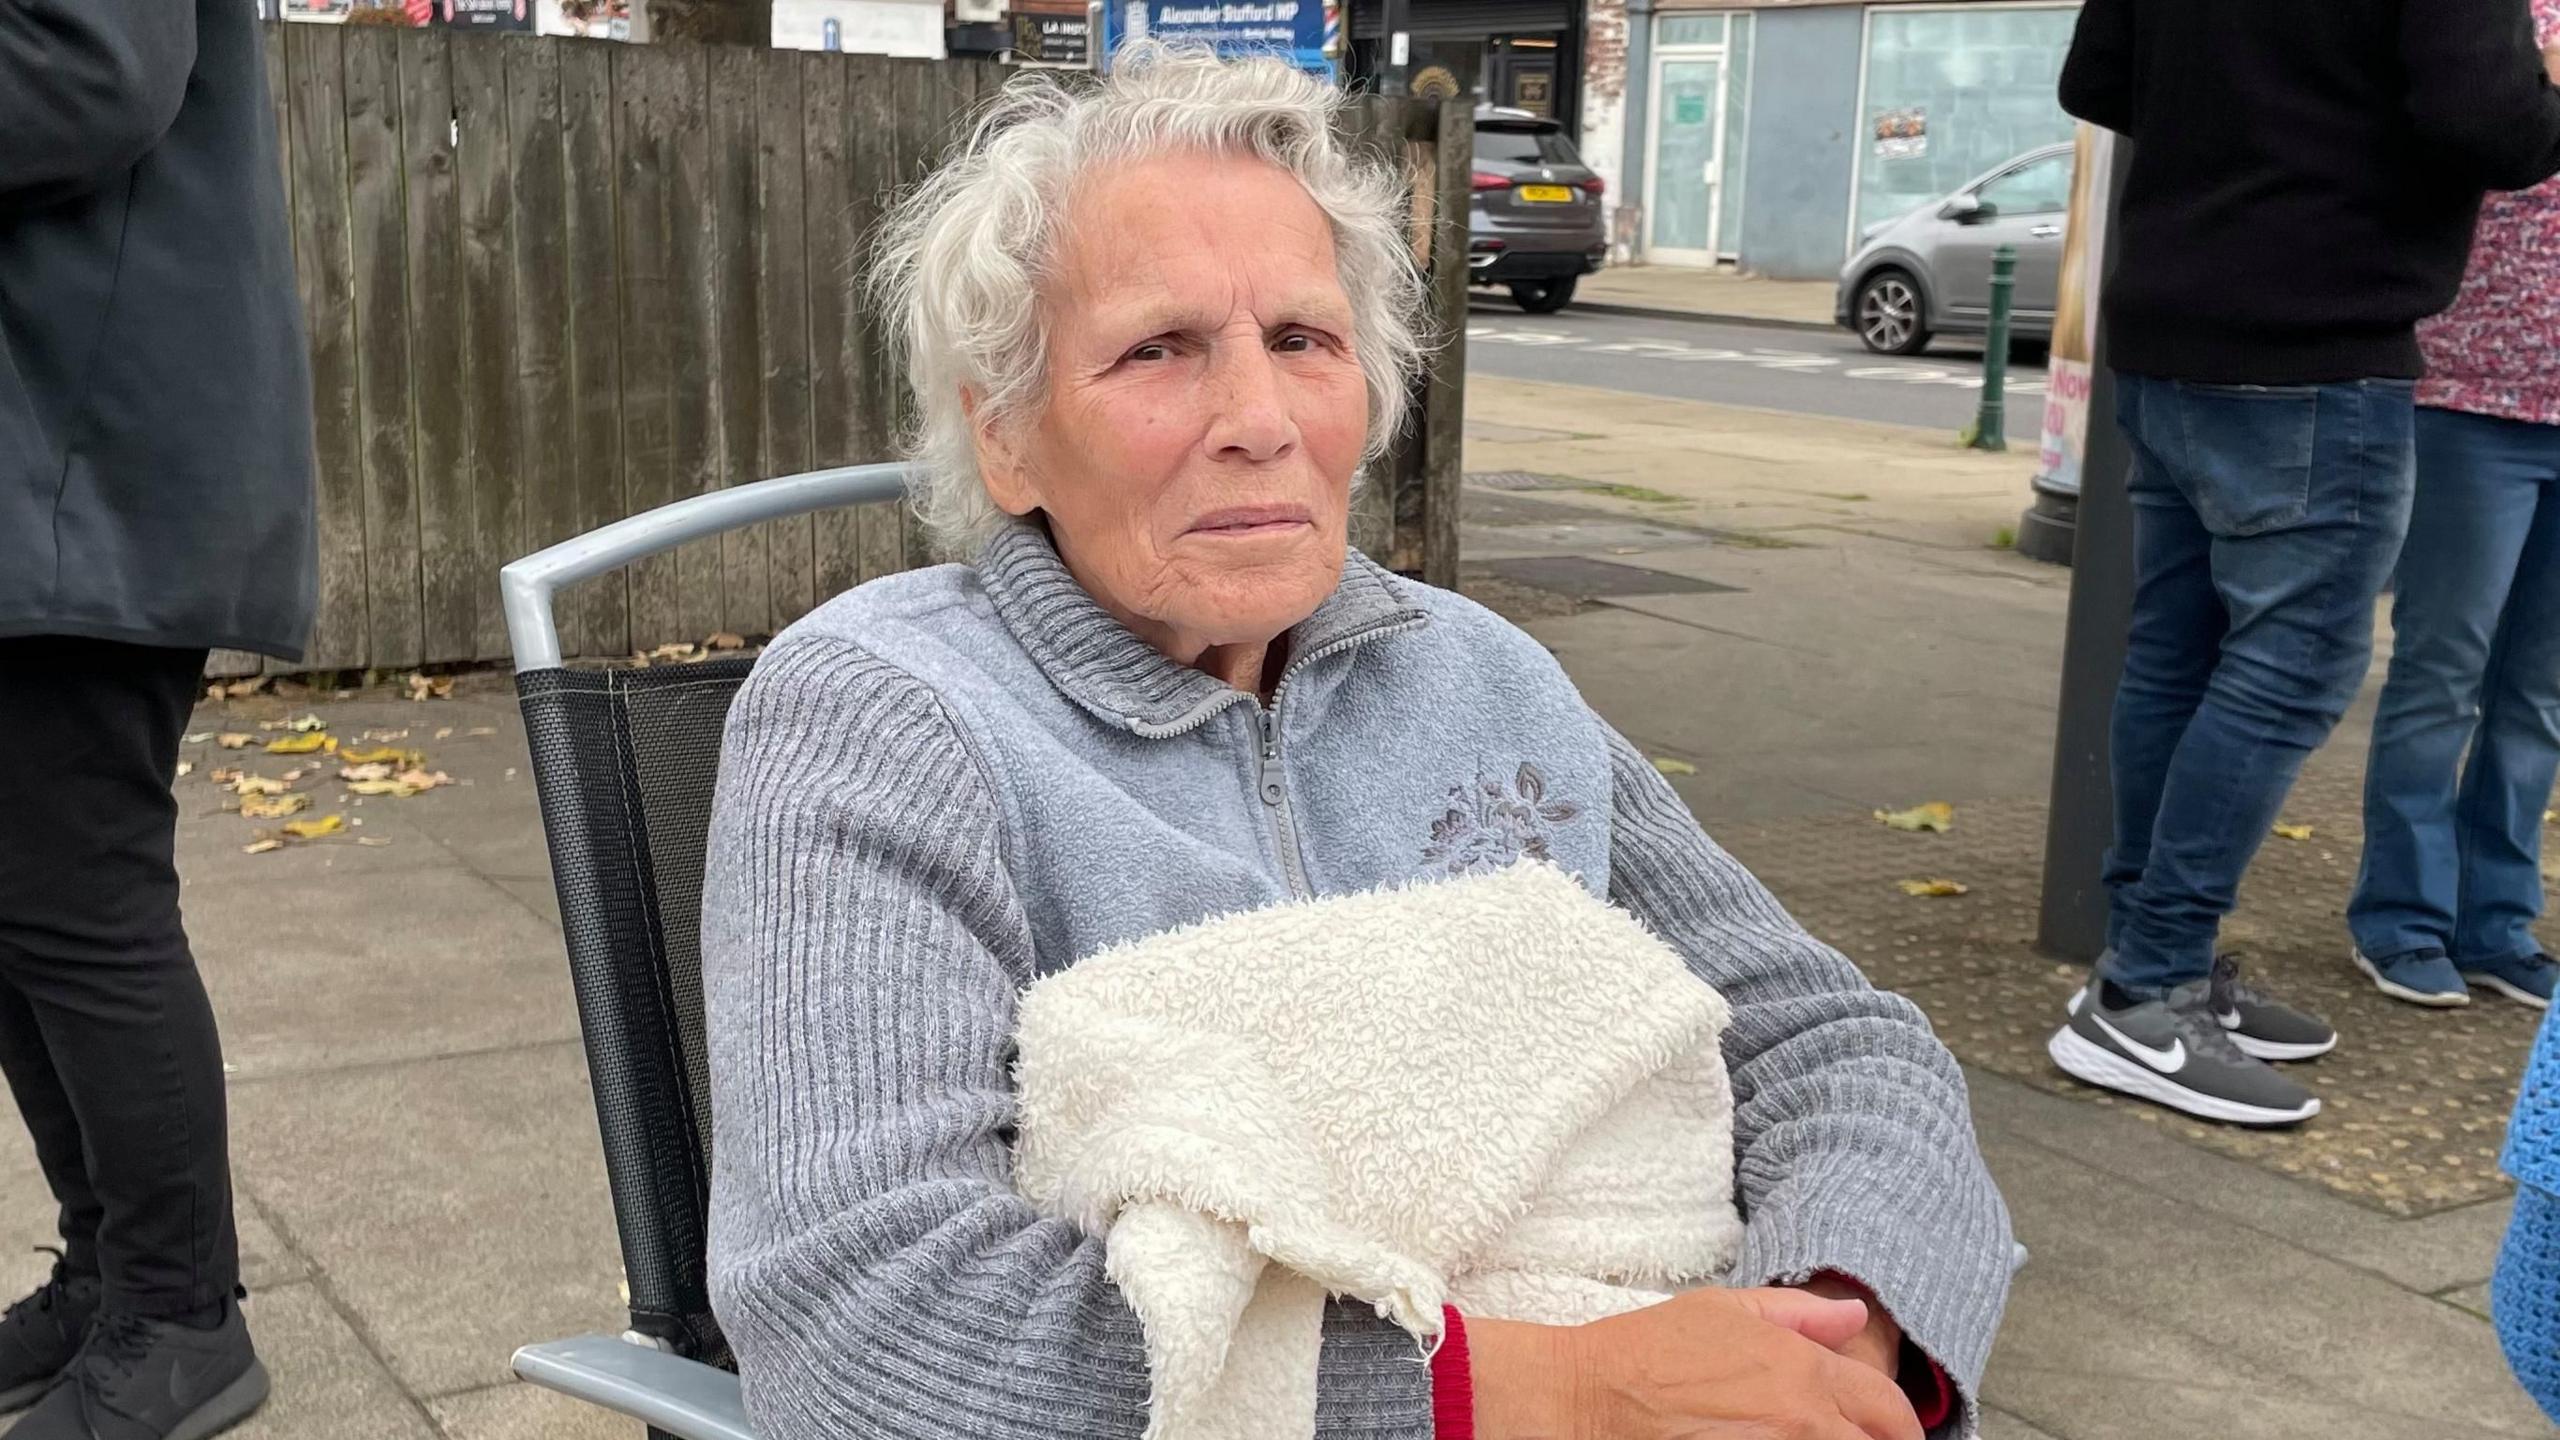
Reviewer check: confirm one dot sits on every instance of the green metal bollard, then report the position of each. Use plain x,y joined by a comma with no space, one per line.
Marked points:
1991,422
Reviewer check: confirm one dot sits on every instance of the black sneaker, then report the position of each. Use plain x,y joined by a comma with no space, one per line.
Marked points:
40,1334
143,1379
2263,1028
2178,1056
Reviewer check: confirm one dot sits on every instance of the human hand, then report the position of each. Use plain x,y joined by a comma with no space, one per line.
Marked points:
1710,1363
2551,63
1879,1343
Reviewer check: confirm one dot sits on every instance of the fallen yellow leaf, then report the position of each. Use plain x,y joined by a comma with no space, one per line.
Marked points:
430,687
238,688
224,776
314,829
379,736
243,783
481,730
674,650
445,734
369,770
272,807
198,737
1669,766
1937,817
186,768
261,847
1934,889
726,641
379,755
369,841
233,740
2293,832
304,724
309,742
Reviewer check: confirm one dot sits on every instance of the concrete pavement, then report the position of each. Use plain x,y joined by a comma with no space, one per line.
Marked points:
1721,294
1812,613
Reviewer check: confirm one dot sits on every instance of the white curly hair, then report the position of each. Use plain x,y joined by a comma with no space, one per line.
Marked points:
960,260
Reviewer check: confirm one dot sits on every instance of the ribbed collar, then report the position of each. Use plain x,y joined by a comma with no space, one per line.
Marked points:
1097,662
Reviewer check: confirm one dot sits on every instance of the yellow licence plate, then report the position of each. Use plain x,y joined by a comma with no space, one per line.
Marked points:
1547,194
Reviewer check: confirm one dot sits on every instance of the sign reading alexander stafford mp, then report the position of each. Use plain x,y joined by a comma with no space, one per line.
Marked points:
1292,30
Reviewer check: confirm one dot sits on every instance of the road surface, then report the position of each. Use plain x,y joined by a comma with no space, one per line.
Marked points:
1806,371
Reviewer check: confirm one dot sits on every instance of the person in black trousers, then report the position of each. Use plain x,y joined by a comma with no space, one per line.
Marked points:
155,501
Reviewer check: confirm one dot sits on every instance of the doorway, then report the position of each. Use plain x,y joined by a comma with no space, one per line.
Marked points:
1693,150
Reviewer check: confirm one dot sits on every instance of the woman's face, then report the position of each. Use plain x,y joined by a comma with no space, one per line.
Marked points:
1205,414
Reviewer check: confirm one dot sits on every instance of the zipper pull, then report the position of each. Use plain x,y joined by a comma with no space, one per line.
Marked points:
1271,793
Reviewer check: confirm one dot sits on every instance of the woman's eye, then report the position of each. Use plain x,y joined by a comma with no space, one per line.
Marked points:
1296,343
1152,350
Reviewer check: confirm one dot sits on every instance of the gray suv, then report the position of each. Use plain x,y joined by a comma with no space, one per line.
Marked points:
1535,222
1928,273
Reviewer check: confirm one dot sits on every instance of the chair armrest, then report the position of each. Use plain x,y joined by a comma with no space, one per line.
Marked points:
685,1398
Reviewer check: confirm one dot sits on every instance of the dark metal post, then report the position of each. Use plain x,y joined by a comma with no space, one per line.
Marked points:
1991,420
2071,922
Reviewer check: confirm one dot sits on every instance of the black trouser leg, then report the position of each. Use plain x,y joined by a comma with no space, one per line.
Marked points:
107,1037
28,1061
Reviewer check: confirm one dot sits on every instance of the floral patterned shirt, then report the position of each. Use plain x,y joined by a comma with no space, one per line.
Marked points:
2490,352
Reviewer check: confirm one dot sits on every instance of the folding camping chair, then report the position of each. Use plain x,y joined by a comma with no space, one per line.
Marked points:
624,761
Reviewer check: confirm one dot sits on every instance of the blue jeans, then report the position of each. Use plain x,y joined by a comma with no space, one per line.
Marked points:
2265,522
2453,850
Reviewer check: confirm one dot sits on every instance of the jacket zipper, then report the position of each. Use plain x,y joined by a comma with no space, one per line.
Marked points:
1268,771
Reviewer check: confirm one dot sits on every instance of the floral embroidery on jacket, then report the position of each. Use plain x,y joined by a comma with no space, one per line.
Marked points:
1489,825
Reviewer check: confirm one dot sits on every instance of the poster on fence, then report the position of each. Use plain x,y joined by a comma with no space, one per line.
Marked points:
2075,315
485,14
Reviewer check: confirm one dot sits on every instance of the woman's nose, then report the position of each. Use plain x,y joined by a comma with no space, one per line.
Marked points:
1250,416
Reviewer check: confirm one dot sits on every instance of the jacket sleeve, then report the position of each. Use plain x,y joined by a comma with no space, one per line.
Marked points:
2097,76
1854,1149
2478,92
87,87
863,949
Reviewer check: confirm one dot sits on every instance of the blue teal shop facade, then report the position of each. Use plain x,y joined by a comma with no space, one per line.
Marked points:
1766,134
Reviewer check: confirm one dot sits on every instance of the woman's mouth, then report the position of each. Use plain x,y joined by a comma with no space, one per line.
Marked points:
1249,521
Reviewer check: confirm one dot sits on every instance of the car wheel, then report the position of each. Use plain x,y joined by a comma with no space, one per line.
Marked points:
1543,297
1889,316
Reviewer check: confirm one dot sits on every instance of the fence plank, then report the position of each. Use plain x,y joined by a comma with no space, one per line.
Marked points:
902,115
647,83
782,330
378,226
538,274
736,371
493,396
436,347
836,395
1443,420
694,362
591,160
317,156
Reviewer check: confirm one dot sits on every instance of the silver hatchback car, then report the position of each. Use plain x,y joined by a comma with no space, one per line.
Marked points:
1928,273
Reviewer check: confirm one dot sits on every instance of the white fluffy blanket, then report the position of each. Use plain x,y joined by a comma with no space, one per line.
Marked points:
1496,1092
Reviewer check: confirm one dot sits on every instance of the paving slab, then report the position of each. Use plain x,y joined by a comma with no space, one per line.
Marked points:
516,1411
328,1383
436,961
457,1205
2137,1310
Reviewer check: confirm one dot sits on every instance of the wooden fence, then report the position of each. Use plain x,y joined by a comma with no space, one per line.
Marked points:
554,282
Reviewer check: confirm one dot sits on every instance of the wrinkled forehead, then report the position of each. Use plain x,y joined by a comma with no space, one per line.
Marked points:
1191,228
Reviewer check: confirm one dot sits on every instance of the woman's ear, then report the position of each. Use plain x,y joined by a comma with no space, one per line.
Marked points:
1002,464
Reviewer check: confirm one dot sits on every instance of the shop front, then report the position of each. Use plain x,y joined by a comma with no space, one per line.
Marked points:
1770,133
1520,54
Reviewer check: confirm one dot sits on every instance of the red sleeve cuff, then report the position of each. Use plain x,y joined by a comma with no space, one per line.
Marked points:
1933,1395
1453,1382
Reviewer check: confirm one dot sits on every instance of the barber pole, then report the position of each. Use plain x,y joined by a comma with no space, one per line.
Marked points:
1333,30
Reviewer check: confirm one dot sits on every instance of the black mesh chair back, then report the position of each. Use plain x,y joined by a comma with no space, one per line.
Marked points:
625,761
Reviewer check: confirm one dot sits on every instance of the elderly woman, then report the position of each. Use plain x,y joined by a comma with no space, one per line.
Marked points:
1155,329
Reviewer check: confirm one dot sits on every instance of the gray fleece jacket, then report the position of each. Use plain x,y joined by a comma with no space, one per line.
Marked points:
942,785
